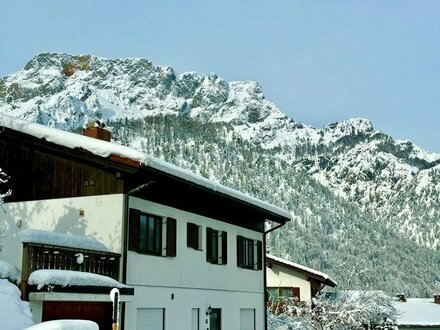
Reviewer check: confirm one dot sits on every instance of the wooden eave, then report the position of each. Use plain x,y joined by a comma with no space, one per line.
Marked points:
231,209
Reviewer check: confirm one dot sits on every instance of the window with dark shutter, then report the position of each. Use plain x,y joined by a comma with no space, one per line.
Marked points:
193,236
145,234
171,237
240,251
296,292
133,229
259,255
249,253
224,256
216,246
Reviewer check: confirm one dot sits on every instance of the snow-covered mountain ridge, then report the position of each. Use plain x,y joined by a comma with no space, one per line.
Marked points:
353,159
353,190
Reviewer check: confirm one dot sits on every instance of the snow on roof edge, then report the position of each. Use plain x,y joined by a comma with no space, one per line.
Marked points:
301,267
58,239
106,149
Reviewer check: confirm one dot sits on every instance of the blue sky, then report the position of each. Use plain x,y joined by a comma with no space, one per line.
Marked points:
319,61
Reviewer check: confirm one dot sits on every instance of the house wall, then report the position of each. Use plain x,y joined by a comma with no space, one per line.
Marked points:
101,219
194,282
279,276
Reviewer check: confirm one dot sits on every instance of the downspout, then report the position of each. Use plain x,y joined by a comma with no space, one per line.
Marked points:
125,226
265,271
125,240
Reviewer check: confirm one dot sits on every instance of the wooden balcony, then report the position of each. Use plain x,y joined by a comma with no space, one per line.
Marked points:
40,256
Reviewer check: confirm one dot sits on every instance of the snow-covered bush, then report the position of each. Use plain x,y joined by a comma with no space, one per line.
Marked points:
3,179
348,310
14,313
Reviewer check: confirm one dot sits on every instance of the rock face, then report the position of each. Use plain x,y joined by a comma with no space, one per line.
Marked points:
395,184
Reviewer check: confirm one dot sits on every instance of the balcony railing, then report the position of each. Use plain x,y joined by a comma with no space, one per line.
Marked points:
40,256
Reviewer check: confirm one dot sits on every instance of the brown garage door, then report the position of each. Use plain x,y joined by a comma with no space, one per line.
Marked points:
98,312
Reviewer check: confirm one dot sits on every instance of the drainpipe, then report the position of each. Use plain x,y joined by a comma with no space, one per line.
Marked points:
125,226
125,239
265,272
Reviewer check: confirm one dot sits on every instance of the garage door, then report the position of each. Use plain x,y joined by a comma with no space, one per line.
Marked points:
247,319
98,312
150,319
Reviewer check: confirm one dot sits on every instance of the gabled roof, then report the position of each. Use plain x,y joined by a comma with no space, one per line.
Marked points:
134,157
418,312
322,277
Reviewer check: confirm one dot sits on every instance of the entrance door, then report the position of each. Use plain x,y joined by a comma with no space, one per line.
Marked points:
215,319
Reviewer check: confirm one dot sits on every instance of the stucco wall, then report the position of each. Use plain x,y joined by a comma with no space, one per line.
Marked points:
195,282
278,276
101,219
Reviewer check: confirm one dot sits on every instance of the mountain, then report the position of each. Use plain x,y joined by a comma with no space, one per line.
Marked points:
360,199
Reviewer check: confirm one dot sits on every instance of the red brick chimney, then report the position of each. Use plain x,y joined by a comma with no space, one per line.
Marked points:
437,298
96,130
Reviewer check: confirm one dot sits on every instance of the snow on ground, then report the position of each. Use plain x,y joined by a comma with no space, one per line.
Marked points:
67,240
14,313
418,311
65,325
65,278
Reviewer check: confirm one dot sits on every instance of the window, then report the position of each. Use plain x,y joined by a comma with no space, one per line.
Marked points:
151,234
247,319
216,246
249,253
194,236
195,319
150,319
283,292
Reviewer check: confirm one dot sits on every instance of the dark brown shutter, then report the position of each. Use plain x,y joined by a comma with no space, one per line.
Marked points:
296,293
259,255
171,237
224,260
191,235
208,244
133,229
240,251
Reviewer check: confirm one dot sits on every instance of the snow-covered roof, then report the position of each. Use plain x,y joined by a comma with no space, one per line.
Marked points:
106,149
328,280
66,240
418,312
65,278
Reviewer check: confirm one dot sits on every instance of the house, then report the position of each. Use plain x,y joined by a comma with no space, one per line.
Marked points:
188,252
288,279
418,313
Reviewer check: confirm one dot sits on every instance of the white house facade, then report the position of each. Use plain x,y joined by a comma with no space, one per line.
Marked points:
189,254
